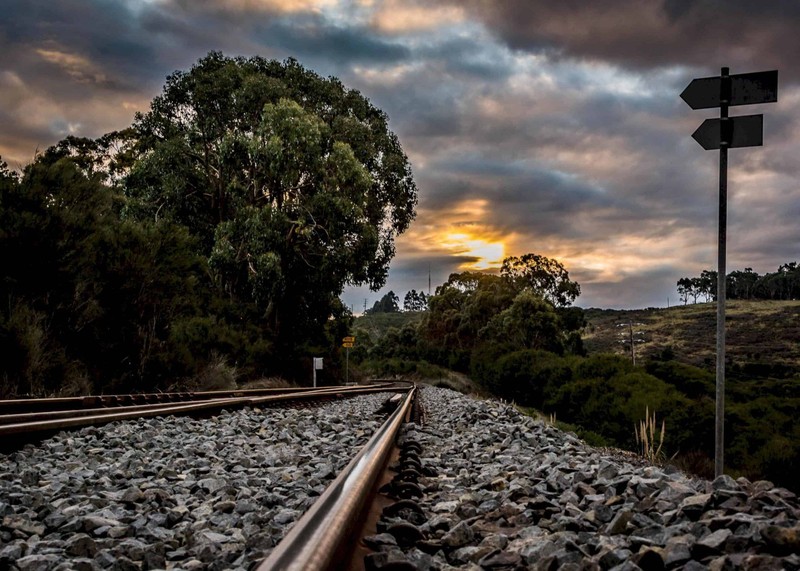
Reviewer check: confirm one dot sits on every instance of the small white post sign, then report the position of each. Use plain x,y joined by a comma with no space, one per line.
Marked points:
317,365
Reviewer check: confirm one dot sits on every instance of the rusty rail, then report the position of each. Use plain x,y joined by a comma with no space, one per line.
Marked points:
320,540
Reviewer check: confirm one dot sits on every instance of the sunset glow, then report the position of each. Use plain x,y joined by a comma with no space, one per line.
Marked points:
483,254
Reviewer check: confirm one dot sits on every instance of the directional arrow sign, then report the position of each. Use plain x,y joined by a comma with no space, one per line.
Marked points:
746,89
746,131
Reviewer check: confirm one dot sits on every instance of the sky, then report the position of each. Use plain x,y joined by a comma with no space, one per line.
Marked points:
552,127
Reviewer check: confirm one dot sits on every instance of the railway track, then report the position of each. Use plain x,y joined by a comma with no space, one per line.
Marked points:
26,420
475,486
328,535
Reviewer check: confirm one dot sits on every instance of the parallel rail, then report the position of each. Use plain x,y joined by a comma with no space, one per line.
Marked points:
15,429
323,537
31,405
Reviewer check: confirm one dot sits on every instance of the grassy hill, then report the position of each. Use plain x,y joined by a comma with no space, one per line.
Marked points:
762,338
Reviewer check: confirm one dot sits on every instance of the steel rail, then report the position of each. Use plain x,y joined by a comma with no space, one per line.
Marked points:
69,413
318,541
112,415
11,406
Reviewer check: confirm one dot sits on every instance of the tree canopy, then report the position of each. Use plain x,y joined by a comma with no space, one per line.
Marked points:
221,226
293,184
544,276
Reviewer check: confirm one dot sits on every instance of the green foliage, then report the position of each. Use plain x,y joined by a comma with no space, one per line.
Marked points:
415,301
217,231
691,381
292,184
90,297
781,284
389,303
544,276
530,322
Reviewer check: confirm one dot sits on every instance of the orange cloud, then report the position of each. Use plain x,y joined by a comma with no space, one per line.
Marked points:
394,17
273,6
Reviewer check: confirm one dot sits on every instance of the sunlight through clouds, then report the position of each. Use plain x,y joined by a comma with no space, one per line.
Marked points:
482,254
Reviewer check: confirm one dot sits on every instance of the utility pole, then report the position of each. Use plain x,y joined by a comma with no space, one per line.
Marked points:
633,351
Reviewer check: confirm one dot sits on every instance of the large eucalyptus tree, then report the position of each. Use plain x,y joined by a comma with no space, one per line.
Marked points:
294,184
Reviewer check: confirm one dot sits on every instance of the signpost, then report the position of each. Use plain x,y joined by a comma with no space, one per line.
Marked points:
347,343
317,365
724,133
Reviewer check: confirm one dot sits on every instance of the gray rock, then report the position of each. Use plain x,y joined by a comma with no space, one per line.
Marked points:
80,545
459,536
37,562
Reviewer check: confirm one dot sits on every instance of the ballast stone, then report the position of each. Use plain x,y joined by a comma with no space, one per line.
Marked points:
546,500
174,493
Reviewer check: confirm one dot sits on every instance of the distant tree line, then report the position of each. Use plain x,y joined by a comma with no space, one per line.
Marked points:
390,303
783,284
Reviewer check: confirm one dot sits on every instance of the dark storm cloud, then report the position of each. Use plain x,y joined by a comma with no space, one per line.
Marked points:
105,33
702,33
312,36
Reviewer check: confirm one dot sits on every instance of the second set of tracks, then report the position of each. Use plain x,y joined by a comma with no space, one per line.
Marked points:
328,535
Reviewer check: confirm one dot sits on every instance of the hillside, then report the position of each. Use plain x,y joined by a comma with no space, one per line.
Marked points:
763,337
375,325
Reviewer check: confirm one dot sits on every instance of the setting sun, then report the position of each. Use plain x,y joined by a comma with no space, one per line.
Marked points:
483,254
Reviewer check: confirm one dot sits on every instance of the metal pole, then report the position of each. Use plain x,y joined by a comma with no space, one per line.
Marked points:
314,367
347,367
633,354
725,138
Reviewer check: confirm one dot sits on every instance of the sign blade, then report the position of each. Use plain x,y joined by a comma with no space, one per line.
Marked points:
750,88
746,89
746,131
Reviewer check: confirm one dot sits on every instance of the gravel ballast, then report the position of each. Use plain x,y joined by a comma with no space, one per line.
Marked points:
174,493
500,491
511,492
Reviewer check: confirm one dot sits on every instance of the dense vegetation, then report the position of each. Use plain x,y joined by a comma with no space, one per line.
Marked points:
213,236
521,344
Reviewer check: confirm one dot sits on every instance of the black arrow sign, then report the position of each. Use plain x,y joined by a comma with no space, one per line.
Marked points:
746,131
746,89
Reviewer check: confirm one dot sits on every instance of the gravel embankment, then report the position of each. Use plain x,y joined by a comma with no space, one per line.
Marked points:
514,493
176,492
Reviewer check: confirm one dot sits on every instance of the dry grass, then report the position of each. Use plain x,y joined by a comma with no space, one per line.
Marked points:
269,383
649,438
757,332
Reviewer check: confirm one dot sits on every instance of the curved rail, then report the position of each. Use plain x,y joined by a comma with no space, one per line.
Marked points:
318,541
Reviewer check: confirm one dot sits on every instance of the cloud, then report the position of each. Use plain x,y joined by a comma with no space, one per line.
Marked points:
397,17
313,35
548,127
251,7
639,35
